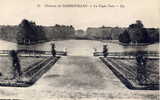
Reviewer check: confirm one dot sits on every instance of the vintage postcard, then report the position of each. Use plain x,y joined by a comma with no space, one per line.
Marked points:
79,49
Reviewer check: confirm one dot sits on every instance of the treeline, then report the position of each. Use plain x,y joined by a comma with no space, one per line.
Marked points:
9,33
27,32
105,33
135,33
59,32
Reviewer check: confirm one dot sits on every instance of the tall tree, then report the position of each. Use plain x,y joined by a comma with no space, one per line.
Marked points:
29,32
138,33
139,24
124,37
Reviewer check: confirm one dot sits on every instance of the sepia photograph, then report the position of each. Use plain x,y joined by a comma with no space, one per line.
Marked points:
79,49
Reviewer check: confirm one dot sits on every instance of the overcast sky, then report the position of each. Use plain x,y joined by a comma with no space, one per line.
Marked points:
13,11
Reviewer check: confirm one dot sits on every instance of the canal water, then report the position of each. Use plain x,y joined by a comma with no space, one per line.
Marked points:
78,47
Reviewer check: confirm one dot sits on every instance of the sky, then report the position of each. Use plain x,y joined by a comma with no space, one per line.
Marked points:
148,11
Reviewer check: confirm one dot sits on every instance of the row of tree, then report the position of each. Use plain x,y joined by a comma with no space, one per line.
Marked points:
33,33
27,32
104,33
59,32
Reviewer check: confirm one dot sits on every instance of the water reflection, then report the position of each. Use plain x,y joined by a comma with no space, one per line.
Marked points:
77,45
5,45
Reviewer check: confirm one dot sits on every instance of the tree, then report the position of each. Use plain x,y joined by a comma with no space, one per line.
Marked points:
30,33
153,35
63,32
139,24
138,34
124,37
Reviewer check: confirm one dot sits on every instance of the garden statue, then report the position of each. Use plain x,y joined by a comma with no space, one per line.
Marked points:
141,69
15,64
105,50
53,51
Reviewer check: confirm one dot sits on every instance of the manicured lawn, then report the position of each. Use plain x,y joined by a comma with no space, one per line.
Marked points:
129,68
6,68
